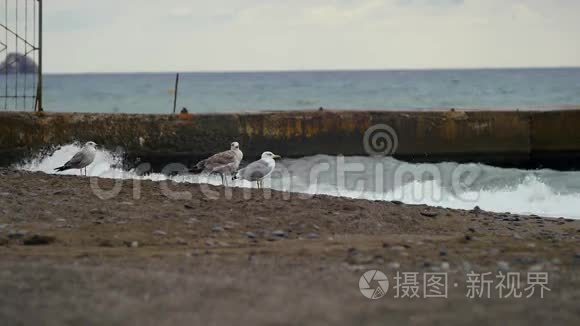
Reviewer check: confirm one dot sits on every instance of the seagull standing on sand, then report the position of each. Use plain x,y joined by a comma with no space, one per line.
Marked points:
82,159
224,163
258,170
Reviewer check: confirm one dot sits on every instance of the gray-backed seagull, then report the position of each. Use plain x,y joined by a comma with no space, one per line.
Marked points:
224,163
257,171
81,159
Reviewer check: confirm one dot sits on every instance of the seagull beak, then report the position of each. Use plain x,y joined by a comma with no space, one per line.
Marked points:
277,156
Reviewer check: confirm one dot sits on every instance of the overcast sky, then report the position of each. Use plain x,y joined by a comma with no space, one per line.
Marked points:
232,35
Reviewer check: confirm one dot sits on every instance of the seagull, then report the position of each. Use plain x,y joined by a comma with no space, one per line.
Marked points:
82,159
224,163
258,170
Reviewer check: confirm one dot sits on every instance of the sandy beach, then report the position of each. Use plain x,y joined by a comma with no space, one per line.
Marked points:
258,162
69,257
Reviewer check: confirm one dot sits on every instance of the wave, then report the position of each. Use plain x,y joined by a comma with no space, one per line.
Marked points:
448,184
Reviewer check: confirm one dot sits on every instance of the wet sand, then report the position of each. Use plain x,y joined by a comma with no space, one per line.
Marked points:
67,256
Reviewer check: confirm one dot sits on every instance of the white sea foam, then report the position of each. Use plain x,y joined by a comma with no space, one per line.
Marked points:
452,185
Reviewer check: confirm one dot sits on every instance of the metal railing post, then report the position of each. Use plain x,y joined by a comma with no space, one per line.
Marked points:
39,107
175,93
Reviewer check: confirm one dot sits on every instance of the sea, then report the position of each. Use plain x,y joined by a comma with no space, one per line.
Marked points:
298,90
541,192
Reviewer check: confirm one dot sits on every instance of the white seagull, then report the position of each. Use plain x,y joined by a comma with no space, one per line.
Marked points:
258,170
224,163
82,159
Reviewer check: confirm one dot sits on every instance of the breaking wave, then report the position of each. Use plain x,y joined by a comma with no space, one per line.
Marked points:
448,184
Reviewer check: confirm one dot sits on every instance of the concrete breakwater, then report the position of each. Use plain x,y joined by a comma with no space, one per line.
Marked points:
529,138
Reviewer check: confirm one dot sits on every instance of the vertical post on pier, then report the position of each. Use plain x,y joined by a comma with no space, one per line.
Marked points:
175,92
38,106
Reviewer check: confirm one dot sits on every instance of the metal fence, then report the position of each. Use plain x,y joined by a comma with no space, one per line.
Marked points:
21,55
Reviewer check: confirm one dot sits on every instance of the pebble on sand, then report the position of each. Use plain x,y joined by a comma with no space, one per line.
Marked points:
280,234
217,228
429,213
251,235
503,265
38,239
312,236
159,233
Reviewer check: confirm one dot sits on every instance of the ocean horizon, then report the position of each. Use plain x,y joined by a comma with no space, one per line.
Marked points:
241,91
232,71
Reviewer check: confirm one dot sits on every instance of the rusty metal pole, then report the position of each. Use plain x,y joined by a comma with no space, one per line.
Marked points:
39,86
175,92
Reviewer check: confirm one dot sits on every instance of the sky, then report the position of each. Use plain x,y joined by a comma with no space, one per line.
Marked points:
260,35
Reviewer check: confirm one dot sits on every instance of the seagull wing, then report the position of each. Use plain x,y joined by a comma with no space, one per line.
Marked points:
217,161
256,171
76,161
